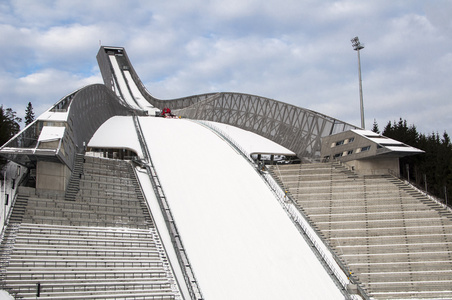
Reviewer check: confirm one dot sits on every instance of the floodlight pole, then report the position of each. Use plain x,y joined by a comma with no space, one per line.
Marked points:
358,46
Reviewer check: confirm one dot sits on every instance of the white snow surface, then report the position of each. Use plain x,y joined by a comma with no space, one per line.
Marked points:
4,295
122,83
53,116
116,133
119,132
251,142
139,98
51,133
125,82
240,242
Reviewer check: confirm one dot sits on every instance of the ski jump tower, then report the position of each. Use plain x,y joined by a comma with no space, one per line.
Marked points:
51,148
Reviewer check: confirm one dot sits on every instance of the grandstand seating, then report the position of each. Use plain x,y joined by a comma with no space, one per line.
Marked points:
395,240
100,244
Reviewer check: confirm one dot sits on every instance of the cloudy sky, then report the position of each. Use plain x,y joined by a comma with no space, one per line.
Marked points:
295,51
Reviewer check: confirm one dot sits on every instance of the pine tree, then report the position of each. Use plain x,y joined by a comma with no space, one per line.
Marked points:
9,124
29,114
375,127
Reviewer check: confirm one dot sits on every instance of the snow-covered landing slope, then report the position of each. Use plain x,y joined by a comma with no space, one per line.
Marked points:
241,243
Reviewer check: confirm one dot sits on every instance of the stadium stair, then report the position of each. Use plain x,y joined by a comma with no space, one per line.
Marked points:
101,244
74,182
396,241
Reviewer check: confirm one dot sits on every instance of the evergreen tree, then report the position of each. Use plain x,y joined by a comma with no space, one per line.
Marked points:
432,168
400,131
29,114
9,124
375,127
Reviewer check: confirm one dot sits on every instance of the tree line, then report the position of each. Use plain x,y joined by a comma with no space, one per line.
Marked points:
431,170
10,124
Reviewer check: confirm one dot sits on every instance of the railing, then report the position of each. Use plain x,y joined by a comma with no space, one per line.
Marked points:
67,288
13,176
189,276
94,232
327,257
419,189
221,133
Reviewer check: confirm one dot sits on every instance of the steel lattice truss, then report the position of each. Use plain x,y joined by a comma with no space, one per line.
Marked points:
298,129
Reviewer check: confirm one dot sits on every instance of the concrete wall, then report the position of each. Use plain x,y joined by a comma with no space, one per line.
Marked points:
375,166
52,176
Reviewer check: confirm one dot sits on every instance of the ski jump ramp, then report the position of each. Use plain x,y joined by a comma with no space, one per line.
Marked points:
240,241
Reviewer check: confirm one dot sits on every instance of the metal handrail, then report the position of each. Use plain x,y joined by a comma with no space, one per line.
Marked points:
420,190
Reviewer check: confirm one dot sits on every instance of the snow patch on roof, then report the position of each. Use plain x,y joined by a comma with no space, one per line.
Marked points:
51,133
117,133
53,116
388,143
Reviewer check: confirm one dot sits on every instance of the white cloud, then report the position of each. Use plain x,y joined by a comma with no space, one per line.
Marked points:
293,51
42,89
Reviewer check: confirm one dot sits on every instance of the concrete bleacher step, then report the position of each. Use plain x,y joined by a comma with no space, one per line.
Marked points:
71,250
441,265
353,233
99,244
120,222
82,273
86,289
106,178
143,294
31,238
427,237
399,246
382,216
83,284
79,261
396,241
106,204
379,224
129,207
347,207
84,231
82,212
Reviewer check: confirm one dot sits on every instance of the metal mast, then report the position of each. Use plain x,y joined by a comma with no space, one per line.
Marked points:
358,46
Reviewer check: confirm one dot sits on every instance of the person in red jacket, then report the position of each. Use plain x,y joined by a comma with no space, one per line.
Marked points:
166,112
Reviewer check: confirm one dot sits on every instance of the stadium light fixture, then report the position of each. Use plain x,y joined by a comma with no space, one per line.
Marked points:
358,46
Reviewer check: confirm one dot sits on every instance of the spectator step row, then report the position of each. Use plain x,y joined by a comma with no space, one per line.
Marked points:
99,244
396,241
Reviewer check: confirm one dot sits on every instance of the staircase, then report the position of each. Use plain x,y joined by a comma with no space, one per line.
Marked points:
396,241
100,245
74,182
